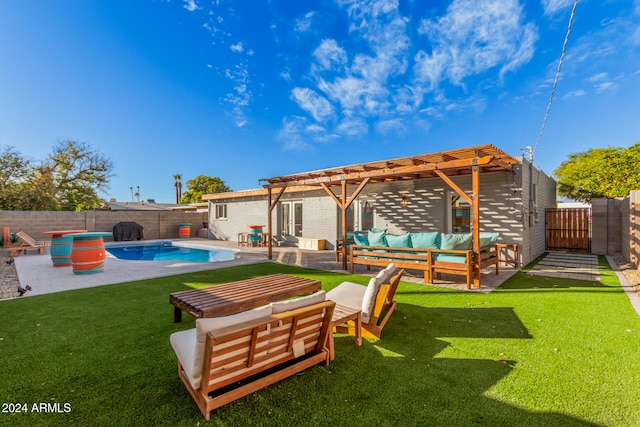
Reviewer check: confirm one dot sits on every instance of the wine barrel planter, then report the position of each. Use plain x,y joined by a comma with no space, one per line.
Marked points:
184,231
88,253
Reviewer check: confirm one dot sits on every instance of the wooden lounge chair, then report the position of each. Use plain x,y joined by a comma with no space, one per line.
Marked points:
375,301
29,243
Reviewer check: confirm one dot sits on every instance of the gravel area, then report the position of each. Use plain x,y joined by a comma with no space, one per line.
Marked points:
631,274
9,281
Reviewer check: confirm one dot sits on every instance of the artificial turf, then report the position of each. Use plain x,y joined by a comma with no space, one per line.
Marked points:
535,352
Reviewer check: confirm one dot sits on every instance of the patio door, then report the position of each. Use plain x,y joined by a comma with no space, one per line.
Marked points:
360,216
291,219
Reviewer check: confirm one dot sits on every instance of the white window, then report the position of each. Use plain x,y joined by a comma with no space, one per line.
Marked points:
221,211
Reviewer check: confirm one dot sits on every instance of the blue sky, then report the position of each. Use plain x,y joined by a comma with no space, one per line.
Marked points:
245,90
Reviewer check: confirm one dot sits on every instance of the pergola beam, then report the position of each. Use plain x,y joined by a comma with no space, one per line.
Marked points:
394,173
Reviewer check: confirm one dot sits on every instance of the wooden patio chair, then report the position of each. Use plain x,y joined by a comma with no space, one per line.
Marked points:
375,303
29,243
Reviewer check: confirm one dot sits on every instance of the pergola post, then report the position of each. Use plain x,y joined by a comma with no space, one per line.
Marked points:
270,206
475,185
270,245
343,206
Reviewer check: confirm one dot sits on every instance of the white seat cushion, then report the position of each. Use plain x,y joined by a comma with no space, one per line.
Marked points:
184,345
390,269
292,304
370,295
349,294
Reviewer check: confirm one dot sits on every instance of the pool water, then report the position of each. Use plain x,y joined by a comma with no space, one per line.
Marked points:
165,251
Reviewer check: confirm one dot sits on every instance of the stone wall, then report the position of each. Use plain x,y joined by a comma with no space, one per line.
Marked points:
156,224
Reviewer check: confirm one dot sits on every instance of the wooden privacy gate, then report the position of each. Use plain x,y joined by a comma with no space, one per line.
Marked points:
569,229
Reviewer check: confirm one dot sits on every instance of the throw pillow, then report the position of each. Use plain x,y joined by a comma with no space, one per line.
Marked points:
462,241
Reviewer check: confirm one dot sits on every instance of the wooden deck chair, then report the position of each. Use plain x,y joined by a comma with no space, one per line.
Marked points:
29,243
376,300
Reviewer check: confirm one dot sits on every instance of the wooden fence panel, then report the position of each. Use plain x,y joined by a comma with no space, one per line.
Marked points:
569,229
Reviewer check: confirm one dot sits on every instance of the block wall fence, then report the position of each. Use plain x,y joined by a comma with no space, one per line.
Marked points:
615,225
156,224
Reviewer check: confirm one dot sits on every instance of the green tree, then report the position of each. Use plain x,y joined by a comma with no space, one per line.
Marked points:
79,172
599,172
200,185
68,179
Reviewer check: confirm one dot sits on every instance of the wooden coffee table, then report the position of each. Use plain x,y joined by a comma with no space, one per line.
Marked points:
235,297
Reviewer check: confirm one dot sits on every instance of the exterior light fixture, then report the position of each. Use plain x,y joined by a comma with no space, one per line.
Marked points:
404,201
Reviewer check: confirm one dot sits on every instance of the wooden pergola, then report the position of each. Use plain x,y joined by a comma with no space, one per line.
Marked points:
467,161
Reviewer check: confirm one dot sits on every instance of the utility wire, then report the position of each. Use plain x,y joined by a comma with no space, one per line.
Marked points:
555,81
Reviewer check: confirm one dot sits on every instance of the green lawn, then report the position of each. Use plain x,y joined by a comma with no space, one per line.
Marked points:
537,351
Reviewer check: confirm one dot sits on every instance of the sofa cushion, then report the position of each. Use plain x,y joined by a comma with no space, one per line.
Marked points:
360,239
462,241
292,304
395,241
428,240
488,239
370,295
444,257
377,238
348,294
391,270
203,326
183,343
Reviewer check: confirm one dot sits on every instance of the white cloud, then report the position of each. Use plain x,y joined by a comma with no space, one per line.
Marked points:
634,39
391,127
241,96
605,86
314,103
575,93
303,24
330,56
551,7
601,82
597,77
286,75
292,133
358,81
352,126
361,85
473,38
238,47
190,5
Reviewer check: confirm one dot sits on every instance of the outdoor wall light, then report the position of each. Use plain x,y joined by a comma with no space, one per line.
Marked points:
404,201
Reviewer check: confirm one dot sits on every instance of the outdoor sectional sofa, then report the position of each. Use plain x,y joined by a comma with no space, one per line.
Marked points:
432,252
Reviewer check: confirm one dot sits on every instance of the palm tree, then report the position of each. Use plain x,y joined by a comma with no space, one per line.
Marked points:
178,185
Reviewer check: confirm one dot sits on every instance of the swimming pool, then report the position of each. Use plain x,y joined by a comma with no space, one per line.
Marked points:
165,251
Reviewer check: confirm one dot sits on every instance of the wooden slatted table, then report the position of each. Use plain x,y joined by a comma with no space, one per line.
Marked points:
235,297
